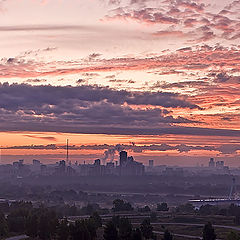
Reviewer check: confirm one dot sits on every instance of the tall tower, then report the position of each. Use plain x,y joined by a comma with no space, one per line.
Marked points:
233,189
211,163
123,157
67,157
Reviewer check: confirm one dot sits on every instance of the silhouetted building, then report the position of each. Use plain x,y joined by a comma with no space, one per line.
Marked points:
97,162
123,158
150,163
70,171
36,162
220,164
110,169
129,167
211,163
43,169
130,159
61,168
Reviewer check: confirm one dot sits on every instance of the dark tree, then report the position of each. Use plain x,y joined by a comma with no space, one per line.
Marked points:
125,229
116,221
153,216
47,224
167,235
120,205
144,209
73,211
233,210
233,236
208,210
32,225
136,234
79,231
237,219
96,219
3,226
89,209
44,232
162,207
16,220
147,229
185,208
209,232
63,230
110,232
91,227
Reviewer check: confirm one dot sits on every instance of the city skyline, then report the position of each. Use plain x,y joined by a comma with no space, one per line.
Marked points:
159,78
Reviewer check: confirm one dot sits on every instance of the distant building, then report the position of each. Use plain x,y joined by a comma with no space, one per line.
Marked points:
21,161
211,163
170,171
129,167
97,162
150,163
36,166
220,164
70,171
20,169
123,158
36,162
130,159
61,168
110,169
43,169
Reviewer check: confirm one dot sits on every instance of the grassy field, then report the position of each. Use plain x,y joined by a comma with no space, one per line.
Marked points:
163,218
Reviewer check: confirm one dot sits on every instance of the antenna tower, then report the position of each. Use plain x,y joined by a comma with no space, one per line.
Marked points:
67,157
233,189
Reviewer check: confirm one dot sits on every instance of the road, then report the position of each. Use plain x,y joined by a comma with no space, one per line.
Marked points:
20,237
179,235
193,224
165,223
199,225
182,235
132,216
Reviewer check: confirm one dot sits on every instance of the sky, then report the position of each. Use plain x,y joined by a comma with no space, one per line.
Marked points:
159,79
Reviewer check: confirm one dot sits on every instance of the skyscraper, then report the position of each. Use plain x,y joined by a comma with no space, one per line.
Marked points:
123,158
151,163
211,163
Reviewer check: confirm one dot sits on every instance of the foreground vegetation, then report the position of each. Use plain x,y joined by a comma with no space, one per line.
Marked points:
122,222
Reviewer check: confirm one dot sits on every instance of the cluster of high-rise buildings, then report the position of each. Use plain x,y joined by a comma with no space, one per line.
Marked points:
217,165
126,166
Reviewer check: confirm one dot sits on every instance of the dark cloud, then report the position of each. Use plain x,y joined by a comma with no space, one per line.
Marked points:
96,110
223,77
40,137
229,148
81,81
94,56
36,80
40,126
40,28
25,105
110,150
20,96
